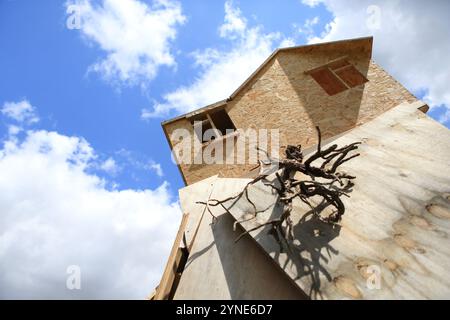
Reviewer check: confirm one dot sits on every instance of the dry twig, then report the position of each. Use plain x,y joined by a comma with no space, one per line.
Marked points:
290,188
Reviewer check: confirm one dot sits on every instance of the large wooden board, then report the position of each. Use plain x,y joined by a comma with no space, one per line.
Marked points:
189,196
219,268
396,226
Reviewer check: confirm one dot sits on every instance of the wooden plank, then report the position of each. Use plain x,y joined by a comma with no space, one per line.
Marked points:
151,296
351,76
199,191
335,63
339,65
168,277
219,268
328,81
393,241
189,196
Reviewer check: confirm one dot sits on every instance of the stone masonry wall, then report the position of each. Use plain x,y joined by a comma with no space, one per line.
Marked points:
283,97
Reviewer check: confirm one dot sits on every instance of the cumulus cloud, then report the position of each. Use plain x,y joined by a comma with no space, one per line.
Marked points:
136,37
444,115
410,39
307,29
311,3
155,167
110,166
54,214
139,163
221,71
21,111
13,130
234,24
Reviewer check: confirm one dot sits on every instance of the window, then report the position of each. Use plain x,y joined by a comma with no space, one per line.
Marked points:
201,123
217,119
222,121
328,81
351,76
337,76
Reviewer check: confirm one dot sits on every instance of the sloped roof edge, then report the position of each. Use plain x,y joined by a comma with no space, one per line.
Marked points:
253,75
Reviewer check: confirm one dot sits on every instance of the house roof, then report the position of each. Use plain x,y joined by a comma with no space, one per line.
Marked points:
365,42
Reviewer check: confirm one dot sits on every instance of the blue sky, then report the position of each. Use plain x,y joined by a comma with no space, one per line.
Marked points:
46,63
104,86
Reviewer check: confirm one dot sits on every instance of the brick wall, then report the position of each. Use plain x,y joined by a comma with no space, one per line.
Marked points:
282,97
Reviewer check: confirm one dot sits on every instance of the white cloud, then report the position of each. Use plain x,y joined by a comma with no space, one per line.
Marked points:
136,162
312,22
54,214
21,111
235,24
135,36
311,3
410,39
110,166
445,116
307,29
287,42
14,130
221,72
155,167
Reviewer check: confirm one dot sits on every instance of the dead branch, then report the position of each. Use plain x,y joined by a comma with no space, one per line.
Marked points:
290,187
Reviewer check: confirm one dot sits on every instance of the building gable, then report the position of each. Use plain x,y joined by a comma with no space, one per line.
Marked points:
287,92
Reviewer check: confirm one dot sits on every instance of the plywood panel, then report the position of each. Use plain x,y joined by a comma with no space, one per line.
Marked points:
169,274
189,197
218,268
397,222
